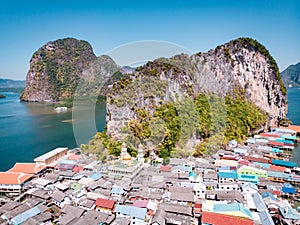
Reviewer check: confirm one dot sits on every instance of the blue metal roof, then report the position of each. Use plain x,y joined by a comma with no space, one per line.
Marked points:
289,213
284,141
259,202
284,163
131,211
265,218
183,168
96,176
234,207
263,165
26,215
228,174
281,130
288,188
117,190
269,195
276,150
279,175
193,175
289,137
248,178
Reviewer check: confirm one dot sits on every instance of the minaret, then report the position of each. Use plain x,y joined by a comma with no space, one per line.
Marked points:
140,155
124,150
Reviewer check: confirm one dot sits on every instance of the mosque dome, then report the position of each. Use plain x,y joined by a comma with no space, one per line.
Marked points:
127,157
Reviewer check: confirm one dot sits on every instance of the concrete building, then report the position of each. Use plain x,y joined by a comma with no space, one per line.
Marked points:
50,158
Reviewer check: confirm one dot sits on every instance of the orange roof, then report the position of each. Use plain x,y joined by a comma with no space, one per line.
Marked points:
277,168
14,177
105,203
31,168
294,128
219,219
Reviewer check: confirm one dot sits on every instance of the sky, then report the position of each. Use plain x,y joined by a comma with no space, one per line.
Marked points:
196,25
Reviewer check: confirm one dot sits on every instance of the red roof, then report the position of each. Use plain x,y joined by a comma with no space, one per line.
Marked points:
274,143
151,212
244,162
255,159
31,168
221,219
277,168
229,157
105,203
140,203
276,192
166,168
198,205
77,169
270,135
14,177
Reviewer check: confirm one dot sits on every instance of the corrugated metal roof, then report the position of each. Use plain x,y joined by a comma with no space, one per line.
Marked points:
263,165
284,163
131,211
228,174
279,175
268,195
259,202
265,218
231,208
117,190
249,178
289,213
218,219
25,215
96,176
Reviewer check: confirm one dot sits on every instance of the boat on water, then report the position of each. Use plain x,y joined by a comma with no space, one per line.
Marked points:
61,109
290,85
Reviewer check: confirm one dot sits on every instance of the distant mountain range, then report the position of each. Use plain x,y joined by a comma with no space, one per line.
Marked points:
8,83
291,75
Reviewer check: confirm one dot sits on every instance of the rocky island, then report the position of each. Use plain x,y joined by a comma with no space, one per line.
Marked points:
55,69
167,155
182,105
204,99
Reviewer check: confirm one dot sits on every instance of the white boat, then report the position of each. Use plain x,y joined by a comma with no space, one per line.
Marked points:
290,85
61,109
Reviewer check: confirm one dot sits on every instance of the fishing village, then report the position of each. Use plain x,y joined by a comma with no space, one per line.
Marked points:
250,183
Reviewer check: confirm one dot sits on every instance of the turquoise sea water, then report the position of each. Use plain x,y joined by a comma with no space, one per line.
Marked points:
28,130
294,116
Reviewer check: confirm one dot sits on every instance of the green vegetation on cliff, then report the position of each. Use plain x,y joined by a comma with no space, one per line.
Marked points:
217,121
56,68
199,101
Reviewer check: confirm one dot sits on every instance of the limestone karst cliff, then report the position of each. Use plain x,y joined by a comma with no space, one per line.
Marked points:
242,67
55,69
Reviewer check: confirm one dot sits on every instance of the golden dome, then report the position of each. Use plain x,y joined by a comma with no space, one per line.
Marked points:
130,164
127,157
